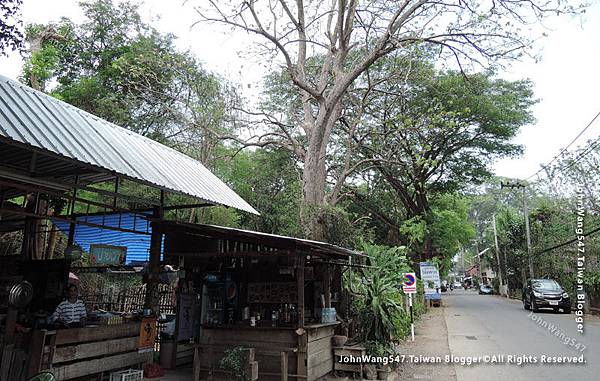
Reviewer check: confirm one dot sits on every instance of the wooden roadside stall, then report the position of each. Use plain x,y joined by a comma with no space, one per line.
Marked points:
273,295
61,165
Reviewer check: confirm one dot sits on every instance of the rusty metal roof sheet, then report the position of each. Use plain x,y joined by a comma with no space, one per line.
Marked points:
35,119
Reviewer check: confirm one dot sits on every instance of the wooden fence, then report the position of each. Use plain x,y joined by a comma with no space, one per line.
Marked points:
130,299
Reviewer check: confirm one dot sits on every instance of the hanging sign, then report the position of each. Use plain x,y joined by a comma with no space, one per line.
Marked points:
147,334
107,254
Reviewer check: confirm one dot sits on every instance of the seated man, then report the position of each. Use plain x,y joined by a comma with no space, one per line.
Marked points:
71,312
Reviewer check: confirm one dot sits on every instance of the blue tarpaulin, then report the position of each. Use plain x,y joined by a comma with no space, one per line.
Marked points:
138,245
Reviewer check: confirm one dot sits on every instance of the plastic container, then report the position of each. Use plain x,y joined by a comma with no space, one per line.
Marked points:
328,315
127,375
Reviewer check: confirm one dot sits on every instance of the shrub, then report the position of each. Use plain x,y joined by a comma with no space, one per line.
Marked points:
234,361
378,299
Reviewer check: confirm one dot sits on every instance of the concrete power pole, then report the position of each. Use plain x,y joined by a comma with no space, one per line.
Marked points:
526,214
529,259
498,255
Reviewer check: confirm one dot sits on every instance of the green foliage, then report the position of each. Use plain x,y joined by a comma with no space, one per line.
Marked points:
115,66
450,228
377,295
268,180
414,229
234,362
429,135
11,34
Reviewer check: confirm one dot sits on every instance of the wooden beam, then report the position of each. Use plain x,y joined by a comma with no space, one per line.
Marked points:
36,351
120,195
85,368
284,366
233,254
94,349
327,286
78,222
37,189
72,226
82,335
154,262
187,206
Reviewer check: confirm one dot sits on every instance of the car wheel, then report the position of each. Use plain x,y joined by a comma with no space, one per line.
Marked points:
534,307
525,305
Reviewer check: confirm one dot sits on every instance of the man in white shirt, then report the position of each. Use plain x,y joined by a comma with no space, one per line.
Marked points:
71,311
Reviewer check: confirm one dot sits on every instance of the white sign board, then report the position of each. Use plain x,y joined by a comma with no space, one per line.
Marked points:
431,280
409,286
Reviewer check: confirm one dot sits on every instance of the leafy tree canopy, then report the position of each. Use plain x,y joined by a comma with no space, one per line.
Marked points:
120,68
11,35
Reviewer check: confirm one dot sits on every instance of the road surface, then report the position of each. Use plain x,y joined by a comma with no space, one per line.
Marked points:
480,325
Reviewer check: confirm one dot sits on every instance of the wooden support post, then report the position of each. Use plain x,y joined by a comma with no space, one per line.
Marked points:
36,352
300,285
72,226
196,363
154,264
327,286
284,366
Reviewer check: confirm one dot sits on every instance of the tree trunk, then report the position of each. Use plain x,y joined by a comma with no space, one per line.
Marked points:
314,174
313,184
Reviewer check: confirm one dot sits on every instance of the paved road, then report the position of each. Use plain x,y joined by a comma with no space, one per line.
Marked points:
480,325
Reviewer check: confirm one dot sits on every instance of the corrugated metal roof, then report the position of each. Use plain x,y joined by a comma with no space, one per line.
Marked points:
36,119
254,237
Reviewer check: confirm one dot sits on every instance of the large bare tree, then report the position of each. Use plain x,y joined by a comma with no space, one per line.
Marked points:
324,46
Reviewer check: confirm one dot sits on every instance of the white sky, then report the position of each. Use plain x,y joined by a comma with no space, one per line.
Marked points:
567,80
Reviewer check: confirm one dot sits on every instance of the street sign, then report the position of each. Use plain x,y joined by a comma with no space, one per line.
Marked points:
409,286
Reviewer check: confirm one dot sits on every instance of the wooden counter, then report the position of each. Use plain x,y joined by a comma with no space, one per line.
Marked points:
304,354
78,352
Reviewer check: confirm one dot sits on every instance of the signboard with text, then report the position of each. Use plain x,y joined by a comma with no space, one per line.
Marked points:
107,254
186,316
431,280
147,334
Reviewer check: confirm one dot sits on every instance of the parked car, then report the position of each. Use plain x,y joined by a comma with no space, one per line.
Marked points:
545,293
457,285
485,289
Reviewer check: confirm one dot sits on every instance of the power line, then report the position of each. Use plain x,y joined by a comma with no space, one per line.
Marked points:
567,146
593,231
588,150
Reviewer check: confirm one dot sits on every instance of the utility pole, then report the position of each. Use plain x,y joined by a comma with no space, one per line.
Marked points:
479,262
463,263
526,213
498,255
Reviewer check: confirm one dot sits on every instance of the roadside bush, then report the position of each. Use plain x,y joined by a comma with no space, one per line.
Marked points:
378,300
